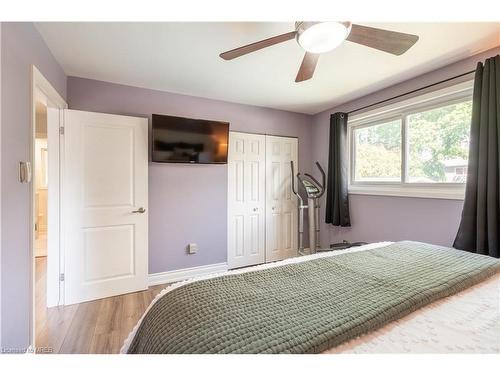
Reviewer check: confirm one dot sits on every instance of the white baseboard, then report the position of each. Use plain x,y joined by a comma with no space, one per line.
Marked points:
185,273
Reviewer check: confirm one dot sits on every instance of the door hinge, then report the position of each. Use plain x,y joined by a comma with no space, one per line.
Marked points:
61,130
61,277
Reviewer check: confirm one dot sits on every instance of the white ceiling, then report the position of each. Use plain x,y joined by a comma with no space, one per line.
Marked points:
182,57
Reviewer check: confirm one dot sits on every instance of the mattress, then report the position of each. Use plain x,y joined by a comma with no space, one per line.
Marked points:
465,322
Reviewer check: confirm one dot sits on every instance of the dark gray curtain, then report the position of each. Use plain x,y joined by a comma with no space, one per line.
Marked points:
480,225
337,200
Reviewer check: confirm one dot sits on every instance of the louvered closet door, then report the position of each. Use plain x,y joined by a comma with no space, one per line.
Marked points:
281,204
246,199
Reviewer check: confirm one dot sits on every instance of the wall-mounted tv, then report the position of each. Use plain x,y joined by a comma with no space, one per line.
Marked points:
185,140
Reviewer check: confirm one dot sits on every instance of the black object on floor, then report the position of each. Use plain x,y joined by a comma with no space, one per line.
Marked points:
346,245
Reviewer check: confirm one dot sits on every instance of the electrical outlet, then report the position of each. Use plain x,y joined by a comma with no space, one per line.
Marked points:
192,248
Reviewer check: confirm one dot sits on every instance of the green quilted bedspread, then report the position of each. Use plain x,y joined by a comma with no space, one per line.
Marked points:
307,307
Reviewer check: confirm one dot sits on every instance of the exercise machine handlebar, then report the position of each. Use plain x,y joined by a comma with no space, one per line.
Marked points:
323,177
293,183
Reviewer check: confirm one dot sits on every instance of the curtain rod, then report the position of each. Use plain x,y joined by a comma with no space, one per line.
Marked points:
412,91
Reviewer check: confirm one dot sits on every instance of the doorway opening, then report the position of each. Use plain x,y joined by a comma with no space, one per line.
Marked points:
41,186
46,288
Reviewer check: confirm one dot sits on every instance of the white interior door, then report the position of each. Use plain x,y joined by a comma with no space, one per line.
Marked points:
281,204
246,199
105,200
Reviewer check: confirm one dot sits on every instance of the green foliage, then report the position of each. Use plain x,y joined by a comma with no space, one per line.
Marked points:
378,151
438,135
376,161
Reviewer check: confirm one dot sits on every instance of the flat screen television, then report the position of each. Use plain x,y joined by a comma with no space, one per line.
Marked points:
185,140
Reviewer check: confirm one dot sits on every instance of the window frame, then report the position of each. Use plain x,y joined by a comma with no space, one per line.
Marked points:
400,110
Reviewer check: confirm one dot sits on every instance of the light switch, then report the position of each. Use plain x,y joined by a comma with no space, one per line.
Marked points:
24,172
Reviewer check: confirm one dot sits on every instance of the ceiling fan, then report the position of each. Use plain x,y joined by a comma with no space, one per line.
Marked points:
320,37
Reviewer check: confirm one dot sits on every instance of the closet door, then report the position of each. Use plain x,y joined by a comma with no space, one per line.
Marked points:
281,204
246,199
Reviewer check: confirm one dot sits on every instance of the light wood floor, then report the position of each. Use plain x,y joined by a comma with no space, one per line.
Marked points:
92,327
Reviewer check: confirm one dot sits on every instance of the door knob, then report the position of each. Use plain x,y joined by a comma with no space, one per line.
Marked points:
255,209
141,210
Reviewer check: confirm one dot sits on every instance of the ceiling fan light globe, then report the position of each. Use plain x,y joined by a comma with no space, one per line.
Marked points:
322,37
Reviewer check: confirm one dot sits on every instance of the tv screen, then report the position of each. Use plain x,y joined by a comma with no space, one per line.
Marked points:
184,140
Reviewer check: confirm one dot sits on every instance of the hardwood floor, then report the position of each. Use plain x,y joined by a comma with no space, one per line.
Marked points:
98,326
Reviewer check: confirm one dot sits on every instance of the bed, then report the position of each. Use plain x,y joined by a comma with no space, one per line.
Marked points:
378,298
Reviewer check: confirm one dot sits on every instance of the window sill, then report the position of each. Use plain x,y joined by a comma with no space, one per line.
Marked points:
431,192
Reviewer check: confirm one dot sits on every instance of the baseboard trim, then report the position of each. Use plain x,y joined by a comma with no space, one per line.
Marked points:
185,273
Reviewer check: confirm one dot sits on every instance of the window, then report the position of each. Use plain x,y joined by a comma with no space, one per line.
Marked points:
414,148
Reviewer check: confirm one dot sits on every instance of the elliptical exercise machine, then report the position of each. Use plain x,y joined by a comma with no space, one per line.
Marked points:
314,190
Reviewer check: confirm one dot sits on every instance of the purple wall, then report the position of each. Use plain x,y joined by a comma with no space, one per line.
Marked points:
21,46
195,212
377,218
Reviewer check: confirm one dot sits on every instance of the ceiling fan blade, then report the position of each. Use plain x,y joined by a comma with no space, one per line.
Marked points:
307,67
237,52
384,40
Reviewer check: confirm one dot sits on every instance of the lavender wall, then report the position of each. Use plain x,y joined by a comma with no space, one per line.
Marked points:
377,218
21,47
197,210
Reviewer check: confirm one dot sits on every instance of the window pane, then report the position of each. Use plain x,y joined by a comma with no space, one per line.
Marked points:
378,152
438,142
